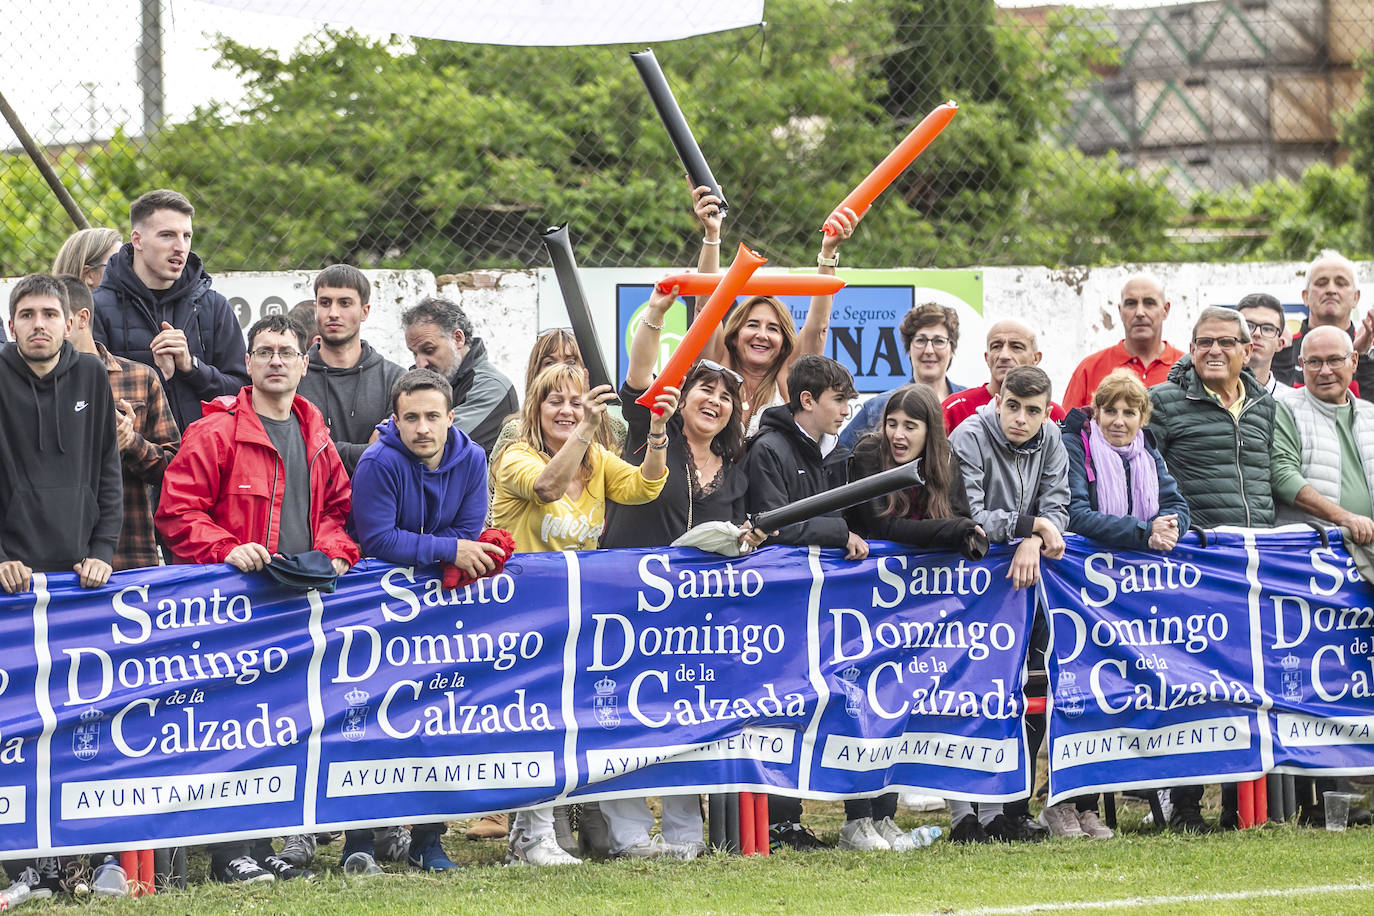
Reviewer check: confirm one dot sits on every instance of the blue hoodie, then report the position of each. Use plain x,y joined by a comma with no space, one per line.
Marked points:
405,513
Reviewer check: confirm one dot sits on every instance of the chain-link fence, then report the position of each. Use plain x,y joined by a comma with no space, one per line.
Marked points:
1202,131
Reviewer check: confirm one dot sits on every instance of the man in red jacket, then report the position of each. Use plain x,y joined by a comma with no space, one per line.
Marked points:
257,477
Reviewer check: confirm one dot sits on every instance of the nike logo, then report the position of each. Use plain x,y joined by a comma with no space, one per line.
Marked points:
80,406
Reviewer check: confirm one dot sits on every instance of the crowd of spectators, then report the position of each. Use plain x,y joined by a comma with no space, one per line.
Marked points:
303,446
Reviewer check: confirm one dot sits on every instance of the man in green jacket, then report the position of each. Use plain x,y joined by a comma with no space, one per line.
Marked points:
1214,425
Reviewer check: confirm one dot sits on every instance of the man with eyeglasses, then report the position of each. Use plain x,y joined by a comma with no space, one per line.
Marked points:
1142,348
1214,425
258,477
1264,316
1331,293
1323,453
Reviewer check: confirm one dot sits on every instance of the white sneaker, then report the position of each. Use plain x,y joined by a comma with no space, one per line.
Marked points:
543,851
860,834
922,802
651,848
1062,820
896,837
693,849
1092,825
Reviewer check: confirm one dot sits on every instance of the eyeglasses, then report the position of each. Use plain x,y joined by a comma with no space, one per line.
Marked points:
1315,363
723,370
285,354
547,331
939,343
1264,330
1226,343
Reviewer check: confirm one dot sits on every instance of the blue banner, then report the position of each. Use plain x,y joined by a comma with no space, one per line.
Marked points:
1316,642
196,704
1207,663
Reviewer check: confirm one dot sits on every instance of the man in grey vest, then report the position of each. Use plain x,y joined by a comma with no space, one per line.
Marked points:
1323,452
1323,470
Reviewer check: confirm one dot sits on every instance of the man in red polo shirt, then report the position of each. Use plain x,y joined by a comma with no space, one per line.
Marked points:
1010,344
1143,350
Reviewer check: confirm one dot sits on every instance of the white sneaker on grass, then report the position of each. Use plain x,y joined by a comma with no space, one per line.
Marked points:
896,837
542,851
917,802
860,834
1062,820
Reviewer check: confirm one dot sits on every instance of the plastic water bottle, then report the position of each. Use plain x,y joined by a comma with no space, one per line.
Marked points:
13,895
924,836
110,880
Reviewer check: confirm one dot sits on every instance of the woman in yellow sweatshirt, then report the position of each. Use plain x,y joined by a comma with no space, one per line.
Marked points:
552,484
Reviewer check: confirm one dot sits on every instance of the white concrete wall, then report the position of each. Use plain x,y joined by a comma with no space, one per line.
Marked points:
1074,309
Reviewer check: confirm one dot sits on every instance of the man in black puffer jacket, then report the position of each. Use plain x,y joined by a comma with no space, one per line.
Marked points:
155,306
1214,425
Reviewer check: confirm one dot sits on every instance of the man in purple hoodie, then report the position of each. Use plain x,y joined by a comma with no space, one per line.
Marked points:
420,497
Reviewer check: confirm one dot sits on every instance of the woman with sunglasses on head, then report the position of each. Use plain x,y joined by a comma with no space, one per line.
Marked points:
552,486
933,515
758,338
704,444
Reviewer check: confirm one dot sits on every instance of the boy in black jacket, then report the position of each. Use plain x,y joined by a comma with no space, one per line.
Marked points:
61,497
797,454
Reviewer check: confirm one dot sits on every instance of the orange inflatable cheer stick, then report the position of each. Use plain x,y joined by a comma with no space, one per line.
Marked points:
695,284
707,320
905,153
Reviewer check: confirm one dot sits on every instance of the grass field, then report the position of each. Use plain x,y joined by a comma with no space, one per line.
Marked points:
1280,869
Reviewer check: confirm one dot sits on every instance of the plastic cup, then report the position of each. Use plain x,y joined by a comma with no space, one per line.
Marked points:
362,865
1337,809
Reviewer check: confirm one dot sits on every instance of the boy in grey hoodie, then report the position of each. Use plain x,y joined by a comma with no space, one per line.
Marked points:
347,380
1016,473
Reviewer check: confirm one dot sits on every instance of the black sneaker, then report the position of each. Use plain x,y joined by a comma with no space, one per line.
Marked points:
243,870
283,870
1034,830
968,830
1229,820
1009,830
794,836
1188,820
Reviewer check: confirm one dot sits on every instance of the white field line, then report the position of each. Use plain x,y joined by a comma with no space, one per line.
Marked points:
1161,901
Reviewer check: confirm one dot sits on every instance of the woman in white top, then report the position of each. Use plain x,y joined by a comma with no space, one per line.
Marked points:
759,339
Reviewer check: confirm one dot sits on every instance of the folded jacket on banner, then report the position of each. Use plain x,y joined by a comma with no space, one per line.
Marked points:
1211,663
196,703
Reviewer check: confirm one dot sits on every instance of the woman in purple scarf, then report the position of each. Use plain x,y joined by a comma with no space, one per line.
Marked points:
1120,491
1121,494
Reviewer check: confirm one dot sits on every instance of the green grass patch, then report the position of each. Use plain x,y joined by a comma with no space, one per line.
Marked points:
943,878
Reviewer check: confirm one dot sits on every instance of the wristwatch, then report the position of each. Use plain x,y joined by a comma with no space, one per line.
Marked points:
823,261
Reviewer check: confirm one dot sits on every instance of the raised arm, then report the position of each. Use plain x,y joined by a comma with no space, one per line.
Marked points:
816,329
644,347
706,206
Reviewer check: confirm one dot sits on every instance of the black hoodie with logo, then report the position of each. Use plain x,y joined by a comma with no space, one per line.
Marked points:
128,316
61,495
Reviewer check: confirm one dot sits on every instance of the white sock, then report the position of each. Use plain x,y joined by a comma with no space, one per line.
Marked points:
958,810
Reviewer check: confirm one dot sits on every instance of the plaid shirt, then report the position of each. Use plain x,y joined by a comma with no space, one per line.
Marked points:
156,440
